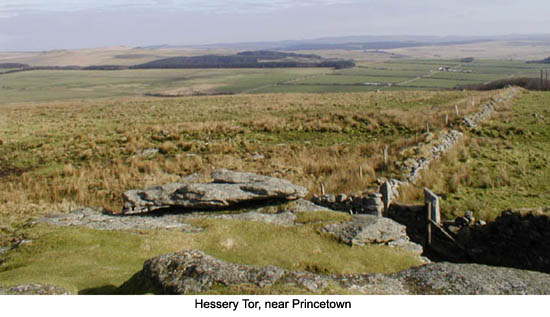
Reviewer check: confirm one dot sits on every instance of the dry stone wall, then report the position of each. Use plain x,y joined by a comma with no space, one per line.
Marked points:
514,239
370,204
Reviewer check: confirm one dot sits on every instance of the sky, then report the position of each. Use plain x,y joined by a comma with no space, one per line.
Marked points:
36,25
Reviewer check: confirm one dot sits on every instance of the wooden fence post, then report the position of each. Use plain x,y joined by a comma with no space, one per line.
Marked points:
386,191
386,155
429,224
322,189
456,110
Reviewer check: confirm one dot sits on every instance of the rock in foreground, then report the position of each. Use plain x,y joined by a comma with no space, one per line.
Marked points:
227,189
194,272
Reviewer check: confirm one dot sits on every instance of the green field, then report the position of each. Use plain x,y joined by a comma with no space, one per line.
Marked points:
47,85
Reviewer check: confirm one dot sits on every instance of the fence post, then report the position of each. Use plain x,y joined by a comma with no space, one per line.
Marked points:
430,197
456,110
429,224
385,155
385,190
322,189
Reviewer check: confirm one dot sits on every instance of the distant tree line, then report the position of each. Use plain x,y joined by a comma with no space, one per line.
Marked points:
467,60
13,65
276,55
527,83
244,60
544,61
106,67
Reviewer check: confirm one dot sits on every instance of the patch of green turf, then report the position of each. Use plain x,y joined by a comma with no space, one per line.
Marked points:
91,261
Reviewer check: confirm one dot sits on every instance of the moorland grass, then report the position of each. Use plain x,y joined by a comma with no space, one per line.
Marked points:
58,156
503,164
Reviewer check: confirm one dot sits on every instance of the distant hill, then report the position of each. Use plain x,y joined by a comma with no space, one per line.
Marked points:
248,59
363,42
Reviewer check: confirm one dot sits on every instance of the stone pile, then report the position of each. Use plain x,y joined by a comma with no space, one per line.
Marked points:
369,204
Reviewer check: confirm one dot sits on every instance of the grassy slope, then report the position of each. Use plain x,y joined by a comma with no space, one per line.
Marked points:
504,164
66,154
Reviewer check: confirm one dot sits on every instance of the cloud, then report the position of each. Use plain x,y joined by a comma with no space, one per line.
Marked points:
9,8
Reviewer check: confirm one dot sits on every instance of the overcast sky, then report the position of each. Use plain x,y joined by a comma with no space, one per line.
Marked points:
66,24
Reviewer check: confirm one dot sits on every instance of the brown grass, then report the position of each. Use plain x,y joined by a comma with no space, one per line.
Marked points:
86,153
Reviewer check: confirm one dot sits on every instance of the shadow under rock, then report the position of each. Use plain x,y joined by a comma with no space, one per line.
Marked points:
136,285
235,208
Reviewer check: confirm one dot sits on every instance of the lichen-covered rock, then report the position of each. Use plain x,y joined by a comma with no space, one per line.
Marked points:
366,229
100,220
229,188
280,219
193,272
34,289
473,279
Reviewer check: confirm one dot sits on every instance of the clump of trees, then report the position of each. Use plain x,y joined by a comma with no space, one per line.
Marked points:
277,55
544,61
467,60
13,65
249,59
106,67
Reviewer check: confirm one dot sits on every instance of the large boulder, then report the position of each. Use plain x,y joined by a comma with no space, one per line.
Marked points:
191,271
228,189
99,219
194,271
368,229
474,279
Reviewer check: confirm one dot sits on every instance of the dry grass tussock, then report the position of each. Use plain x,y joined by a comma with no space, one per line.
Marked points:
86,153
